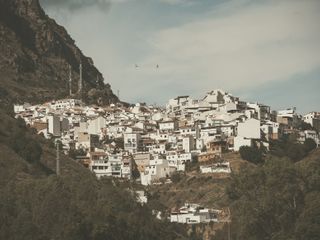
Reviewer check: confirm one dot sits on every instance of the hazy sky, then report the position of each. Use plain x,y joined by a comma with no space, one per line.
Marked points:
265,51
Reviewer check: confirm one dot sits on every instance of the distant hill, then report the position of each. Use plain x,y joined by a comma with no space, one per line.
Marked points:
35,55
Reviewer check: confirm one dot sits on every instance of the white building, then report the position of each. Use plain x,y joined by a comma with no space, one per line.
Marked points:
313,119
216,168
312,134
99,164
131,142
176,103
21,108
141,197
158,168
178,160
96,125
159,148
54,125
87,141
199,144
188,144
113,165
168,126
247,131
65,104
194,214
241,141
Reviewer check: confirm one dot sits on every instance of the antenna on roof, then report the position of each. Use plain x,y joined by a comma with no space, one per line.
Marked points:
97,80
70,80
80,78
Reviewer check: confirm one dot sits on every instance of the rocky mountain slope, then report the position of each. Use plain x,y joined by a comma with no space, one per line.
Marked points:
35,55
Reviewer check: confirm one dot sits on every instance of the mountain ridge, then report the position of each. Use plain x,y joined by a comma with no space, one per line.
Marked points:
35,55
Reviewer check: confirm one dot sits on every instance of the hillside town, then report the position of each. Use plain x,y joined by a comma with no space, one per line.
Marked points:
148,144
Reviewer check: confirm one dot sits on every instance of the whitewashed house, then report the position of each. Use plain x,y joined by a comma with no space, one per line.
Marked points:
141,197
158,168
223,167
113,165
188,144
96,125
178,160
168,126
194,214
247,131
65,104
54,125
131,142
313,118
20,108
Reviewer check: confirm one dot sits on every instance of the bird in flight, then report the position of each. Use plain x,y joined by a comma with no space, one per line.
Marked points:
136,66
157,66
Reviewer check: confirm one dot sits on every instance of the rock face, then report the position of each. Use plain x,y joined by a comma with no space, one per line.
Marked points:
36,55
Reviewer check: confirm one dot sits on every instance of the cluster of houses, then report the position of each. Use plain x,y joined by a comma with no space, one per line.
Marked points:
149,143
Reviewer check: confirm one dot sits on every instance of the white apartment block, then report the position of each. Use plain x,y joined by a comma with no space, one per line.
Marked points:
157,169
178,160
131,142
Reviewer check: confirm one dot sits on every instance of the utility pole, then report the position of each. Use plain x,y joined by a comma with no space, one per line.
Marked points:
229,221
58,159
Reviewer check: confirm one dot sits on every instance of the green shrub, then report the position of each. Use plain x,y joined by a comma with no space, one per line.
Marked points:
309,145
251,154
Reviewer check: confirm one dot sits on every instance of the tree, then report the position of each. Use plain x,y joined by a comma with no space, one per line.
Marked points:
288,146
135,170
176,177
309,145
305,126
295,151
31,151
266,200
251,154
25,146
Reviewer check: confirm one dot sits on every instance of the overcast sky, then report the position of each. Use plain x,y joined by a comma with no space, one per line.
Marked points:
265,51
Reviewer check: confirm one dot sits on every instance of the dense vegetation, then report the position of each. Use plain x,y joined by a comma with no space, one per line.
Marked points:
286,146
252,154
279,199
68,208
